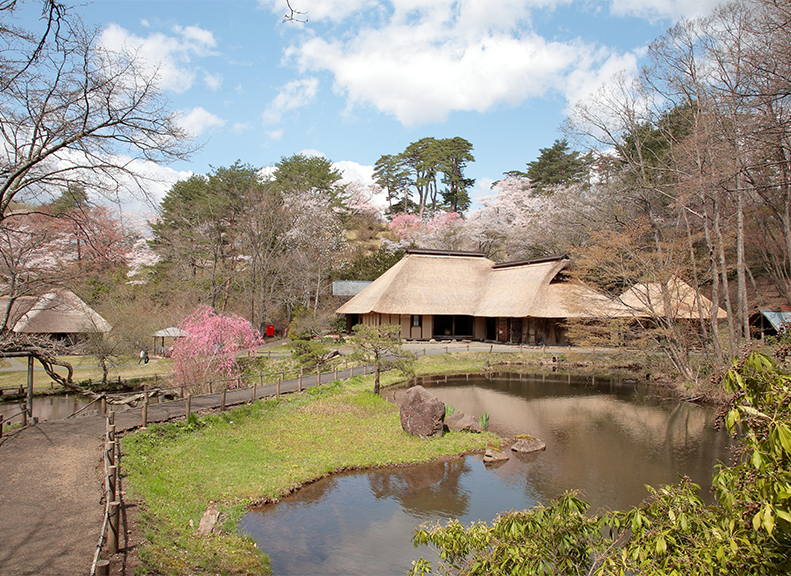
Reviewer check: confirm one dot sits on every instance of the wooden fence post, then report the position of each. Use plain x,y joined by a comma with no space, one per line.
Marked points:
189,405
111,417
351,371
111,452
255,390
112,527
23,408
222,401
335,376
103,405
318,376
112,475
102,568
1,425
145,407
277,386
299,383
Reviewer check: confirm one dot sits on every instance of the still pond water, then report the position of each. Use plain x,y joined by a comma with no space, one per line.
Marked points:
604,436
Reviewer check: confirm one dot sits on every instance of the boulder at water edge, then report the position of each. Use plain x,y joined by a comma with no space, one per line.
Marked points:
458,422
422,414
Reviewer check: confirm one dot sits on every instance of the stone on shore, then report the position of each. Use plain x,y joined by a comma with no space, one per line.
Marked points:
459,422
528,445
422,413
494,455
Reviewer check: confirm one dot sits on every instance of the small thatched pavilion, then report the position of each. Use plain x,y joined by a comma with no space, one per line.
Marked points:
464,295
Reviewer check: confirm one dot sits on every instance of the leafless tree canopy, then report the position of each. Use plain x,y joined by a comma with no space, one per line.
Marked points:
73,112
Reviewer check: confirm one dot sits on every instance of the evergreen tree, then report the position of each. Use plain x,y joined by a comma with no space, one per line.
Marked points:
557,165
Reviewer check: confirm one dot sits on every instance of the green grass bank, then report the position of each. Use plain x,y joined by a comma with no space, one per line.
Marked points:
260,452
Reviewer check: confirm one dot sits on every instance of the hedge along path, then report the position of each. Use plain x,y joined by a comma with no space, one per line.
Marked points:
51,482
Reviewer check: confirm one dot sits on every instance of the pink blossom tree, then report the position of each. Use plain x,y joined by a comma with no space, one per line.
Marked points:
209,349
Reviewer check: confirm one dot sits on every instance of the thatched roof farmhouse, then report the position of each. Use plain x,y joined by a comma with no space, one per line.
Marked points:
464,295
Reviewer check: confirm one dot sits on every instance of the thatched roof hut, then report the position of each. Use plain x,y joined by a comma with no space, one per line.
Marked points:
60,314
674,298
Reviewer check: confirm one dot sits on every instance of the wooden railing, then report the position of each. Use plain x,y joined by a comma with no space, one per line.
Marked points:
109,535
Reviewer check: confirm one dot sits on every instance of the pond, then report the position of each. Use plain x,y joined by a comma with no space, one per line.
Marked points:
55,407
605,436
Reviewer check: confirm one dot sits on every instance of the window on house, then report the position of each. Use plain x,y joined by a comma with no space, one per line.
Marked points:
417,321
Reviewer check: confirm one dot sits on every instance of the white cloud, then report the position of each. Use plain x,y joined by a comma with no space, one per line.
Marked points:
170,56
199,120
293,95
656,9
212,81
421,62
240,127
354,172
275,134
310,153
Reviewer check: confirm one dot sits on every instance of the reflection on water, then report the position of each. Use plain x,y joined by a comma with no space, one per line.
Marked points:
604,437
46,407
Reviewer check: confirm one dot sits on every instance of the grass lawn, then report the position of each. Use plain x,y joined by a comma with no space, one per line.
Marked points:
260,452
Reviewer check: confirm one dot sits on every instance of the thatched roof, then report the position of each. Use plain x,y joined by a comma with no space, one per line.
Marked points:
172,332
648,299
58,312
442,283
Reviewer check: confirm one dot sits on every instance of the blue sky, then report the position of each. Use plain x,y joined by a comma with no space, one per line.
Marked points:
362,78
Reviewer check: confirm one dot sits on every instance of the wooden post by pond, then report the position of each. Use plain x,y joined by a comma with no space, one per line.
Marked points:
277,387
112,527
23,409
299,382
189,406
335,375
111,417
30,386
103,405
145,407
222,401
1,425
318,375
255,391
351,371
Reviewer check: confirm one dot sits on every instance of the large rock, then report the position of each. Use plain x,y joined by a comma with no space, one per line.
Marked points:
422,414
458,422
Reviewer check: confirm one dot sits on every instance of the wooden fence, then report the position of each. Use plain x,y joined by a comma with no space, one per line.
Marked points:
111,524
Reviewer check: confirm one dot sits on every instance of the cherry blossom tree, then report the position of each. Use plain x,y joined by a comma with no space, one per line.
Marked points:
209,349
